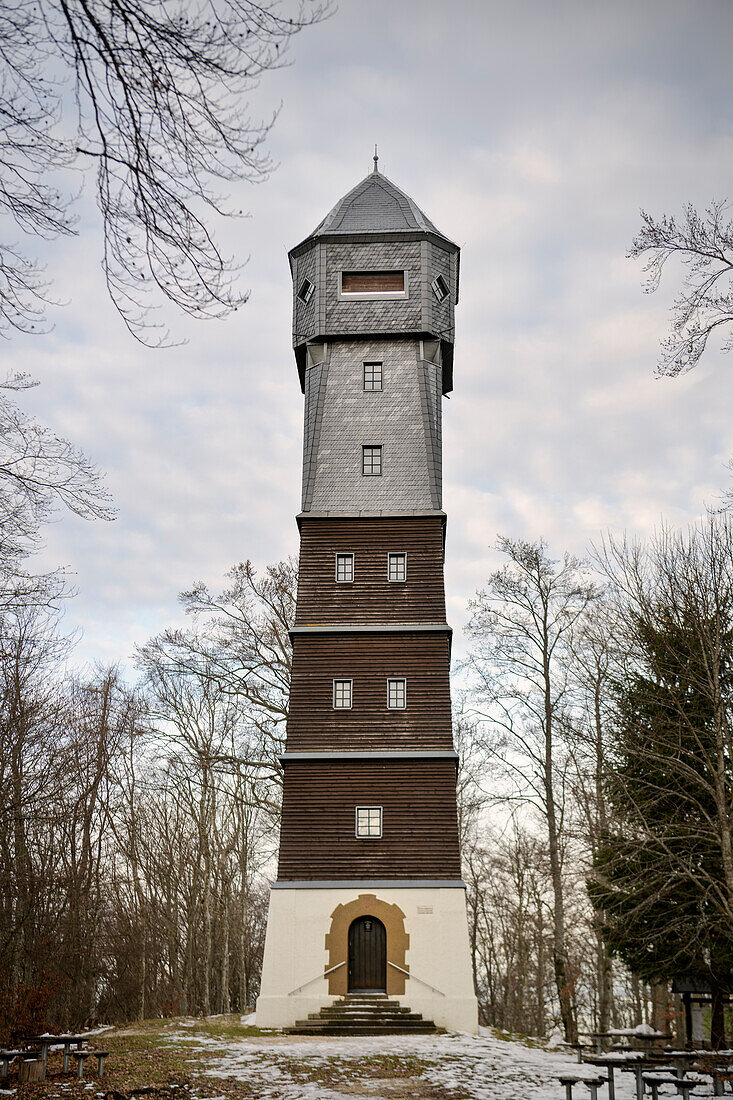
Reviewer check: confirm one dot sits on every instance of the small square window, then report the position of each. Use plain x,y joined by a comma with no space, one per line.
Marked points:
397,694
371,461
372,376
440,288
369,821
342,694
397,567
306,290
345,568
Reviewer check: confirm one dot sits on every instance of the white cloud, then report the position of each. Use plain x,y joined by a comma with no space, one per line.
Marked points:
531,134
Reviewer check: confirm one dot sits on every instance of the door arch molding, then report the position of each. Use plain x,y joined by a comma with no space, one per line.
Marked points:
337,942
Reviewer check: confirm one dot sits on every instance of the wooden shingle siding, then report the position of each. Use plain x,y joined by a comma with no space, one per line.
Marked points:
419,824
369,660
371,597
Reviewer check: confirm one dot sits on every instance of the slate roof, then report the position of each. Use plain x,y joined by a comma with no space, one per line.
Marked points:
375,205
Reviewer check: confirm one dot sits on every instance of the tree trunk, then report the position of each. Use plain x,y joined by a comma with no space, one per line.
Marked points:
604,977
206,961
636,999
717,1018
562,977
224,1005
660,1006
541,1020
143,974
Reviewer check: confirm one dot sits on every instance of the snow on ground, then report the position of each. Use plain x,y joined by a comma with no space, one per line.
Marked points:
467,1067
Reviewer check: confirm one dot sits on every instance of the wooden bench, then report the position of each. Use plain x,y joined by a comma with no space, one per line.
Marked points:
6,1057
81,1057
592,1082
684,1085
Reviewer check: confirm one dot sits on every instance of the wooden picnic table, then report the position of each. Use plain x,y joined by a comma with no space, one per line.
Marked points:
637,1066
610,1062
718,1064
681,1059
642,1034
66,1041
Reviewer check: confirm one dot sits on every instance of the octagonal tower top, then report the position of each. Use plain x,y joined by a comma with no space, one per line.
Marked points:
376,205
375,266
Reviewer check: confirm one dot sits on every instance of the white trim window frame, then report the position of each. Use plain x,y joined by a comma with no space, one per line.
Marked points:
371,460
344,565
397,693
369,376
368,822
397,566
373,295
343,693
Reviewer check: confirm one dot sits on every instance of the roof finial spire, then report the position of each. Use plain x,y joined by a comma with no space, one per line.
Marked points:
376,157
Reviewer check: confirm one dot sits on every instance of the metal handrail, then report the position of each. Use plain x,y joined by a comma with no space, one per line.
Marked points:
315,979
409,975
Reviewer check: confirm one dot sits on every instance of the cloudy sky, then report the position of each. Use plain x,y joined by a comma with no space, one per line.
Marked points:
531,133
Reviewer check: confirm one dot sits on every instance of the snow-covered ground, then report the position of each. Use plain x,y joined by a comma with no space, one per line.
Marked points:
466,1067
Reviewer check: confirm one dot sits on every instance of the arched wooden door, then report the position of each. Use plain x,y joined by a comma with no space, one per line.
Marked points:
367,956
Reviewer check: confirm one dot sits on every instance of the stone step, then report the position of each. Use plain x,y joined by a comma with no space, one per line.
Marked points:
309,1028
366,1000
378,1021
374,1010
363,1014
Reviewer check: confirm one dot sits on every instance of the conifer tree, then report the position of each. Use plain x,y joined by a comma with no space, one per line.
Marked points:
659,878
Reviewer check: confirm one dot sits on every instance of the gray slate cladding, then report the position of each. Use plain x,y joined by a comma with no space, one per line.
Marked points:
328,314
392,315
404,418
375,227
375,205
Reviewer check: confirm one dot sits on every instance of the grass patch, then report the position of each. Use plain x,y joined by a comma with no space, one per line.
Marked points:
339,1070
140,1056
220,1027
185,1051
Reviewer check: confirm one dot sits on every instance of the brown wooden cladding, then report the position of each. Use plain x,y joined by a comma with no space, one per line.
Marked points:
419,825
369,660
370,597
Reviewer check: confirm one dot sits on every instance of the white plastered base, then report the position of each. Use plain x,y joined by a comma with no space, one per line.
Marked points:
439,954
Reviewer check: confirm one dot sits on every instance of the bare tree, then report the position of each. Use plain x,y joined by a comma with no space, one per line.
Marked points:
58,741
704,244
241,642
160,110
471,794
592,664
137,828
39,471
199,788
522,624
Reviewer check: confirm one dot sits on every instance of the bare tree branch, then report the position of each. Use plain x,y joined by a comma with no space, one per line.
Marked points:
704,244
160,90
